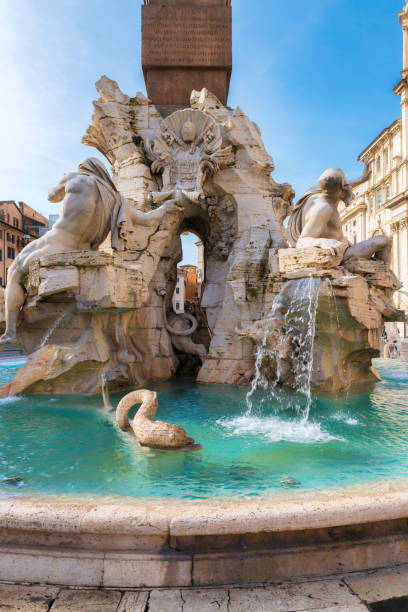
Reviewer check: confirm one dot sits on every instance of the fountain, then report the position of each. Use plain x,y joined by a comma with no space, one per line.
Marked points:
295,440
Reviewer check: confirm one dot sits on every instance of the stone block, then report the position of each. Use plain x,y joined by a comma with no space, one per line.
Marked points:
134,602
293,260
381,585
285,598
133,570
309,561
196,600
76,258
26,598
111,287
91,601
58,279
51,566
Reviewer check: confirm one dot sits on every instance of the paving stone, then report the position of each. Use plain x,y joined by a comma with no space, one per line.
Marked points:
133,602
381,585
194,600
18,598
286,598
205,600
89,601
360,608
165,601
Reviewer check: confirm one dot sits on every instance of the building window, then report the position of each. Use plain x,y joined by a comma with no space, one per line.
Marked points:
379,163
346,228
1,256
354,223
379,199
388,192
177,305
386,157
10,253
177,290
371,204
15,221
1,233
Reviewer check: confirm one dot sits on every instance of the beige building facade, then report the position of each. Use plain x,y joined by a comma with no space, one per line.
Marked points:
380,205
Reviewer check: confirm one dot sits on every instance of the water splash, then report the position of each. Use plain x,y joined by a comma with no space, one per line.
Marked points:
276,429
68,310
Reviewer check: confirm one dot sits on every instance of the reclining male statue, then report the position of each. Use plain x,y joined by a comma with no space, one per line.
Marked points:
92,208
315,220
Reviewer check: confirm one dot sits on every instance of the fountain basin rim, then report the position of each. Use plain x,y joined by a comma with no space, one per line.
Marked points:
182,517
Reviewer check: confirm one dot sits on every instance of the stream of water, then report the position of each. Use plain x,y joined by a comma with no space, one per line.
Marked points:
297,327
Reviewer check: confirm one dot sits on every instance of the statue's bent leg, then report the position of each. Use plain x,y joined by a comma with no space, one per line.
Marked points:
380,246
14,300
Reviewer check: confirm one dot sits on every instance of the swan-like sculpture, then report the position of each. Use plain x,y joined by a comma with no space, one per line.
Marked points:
155,434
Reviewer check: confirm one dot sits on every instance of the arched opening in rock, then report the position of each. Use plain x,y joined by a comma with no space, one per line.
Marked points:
185,313
190,274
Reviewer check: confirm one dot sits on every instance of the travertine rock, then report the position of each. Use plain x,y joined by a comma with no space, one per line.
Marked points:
294,260
58,279
111,307
93,314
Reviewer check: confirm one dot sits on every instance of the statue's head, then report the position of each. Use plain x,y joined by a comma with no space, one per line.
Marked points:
333,182
188,131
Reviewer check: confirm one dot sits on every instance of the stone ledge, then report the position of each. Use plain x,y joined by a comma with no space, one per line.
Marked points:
373,535
98,281
314,258
277,513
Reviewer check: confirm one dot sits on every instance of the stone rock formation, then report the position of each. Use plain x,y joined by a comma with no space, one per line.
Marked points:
353,301
103,311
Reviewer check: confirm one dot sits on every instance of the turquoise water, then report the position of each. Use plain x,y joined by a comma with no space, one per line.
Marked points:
68,445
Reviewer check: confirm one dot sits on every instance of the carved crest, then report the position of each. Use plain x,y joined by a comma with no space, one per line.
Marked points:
187,150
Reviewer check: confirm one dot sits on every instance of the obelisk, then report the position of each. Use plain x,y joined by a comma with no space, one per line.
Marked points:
186,45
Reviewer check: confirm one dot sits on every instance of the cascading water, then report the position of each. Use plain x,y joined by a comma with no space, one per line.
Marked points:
292,325
393,341
68,310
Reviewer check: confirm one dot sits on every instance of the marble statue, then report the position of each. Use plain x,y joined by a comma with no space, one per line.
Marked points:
155,434
315,220
92,207
186,152
282,204
181,327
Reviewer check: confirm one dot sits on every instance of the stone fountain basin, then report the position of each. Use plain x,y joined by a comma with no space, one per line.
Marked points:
166,542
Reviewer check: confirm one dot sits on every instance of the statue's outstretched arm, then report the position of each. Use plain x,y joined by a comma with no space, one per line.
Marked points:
365,176
57,193
154,216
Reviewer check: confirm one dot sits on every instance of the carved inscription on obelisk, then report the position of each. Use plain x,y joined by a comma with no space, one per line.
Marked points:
186,45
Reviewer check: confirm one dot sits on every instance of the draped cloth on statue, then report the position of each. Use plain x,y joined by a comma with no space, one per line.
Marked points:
112,213
295,224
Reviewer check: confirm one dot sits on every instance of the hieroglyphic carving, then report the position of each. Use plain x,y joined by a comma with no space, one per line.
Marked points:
186,36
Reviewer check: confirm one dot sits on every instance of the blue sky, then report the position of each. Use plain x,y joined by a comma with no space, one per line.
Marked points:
316,76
